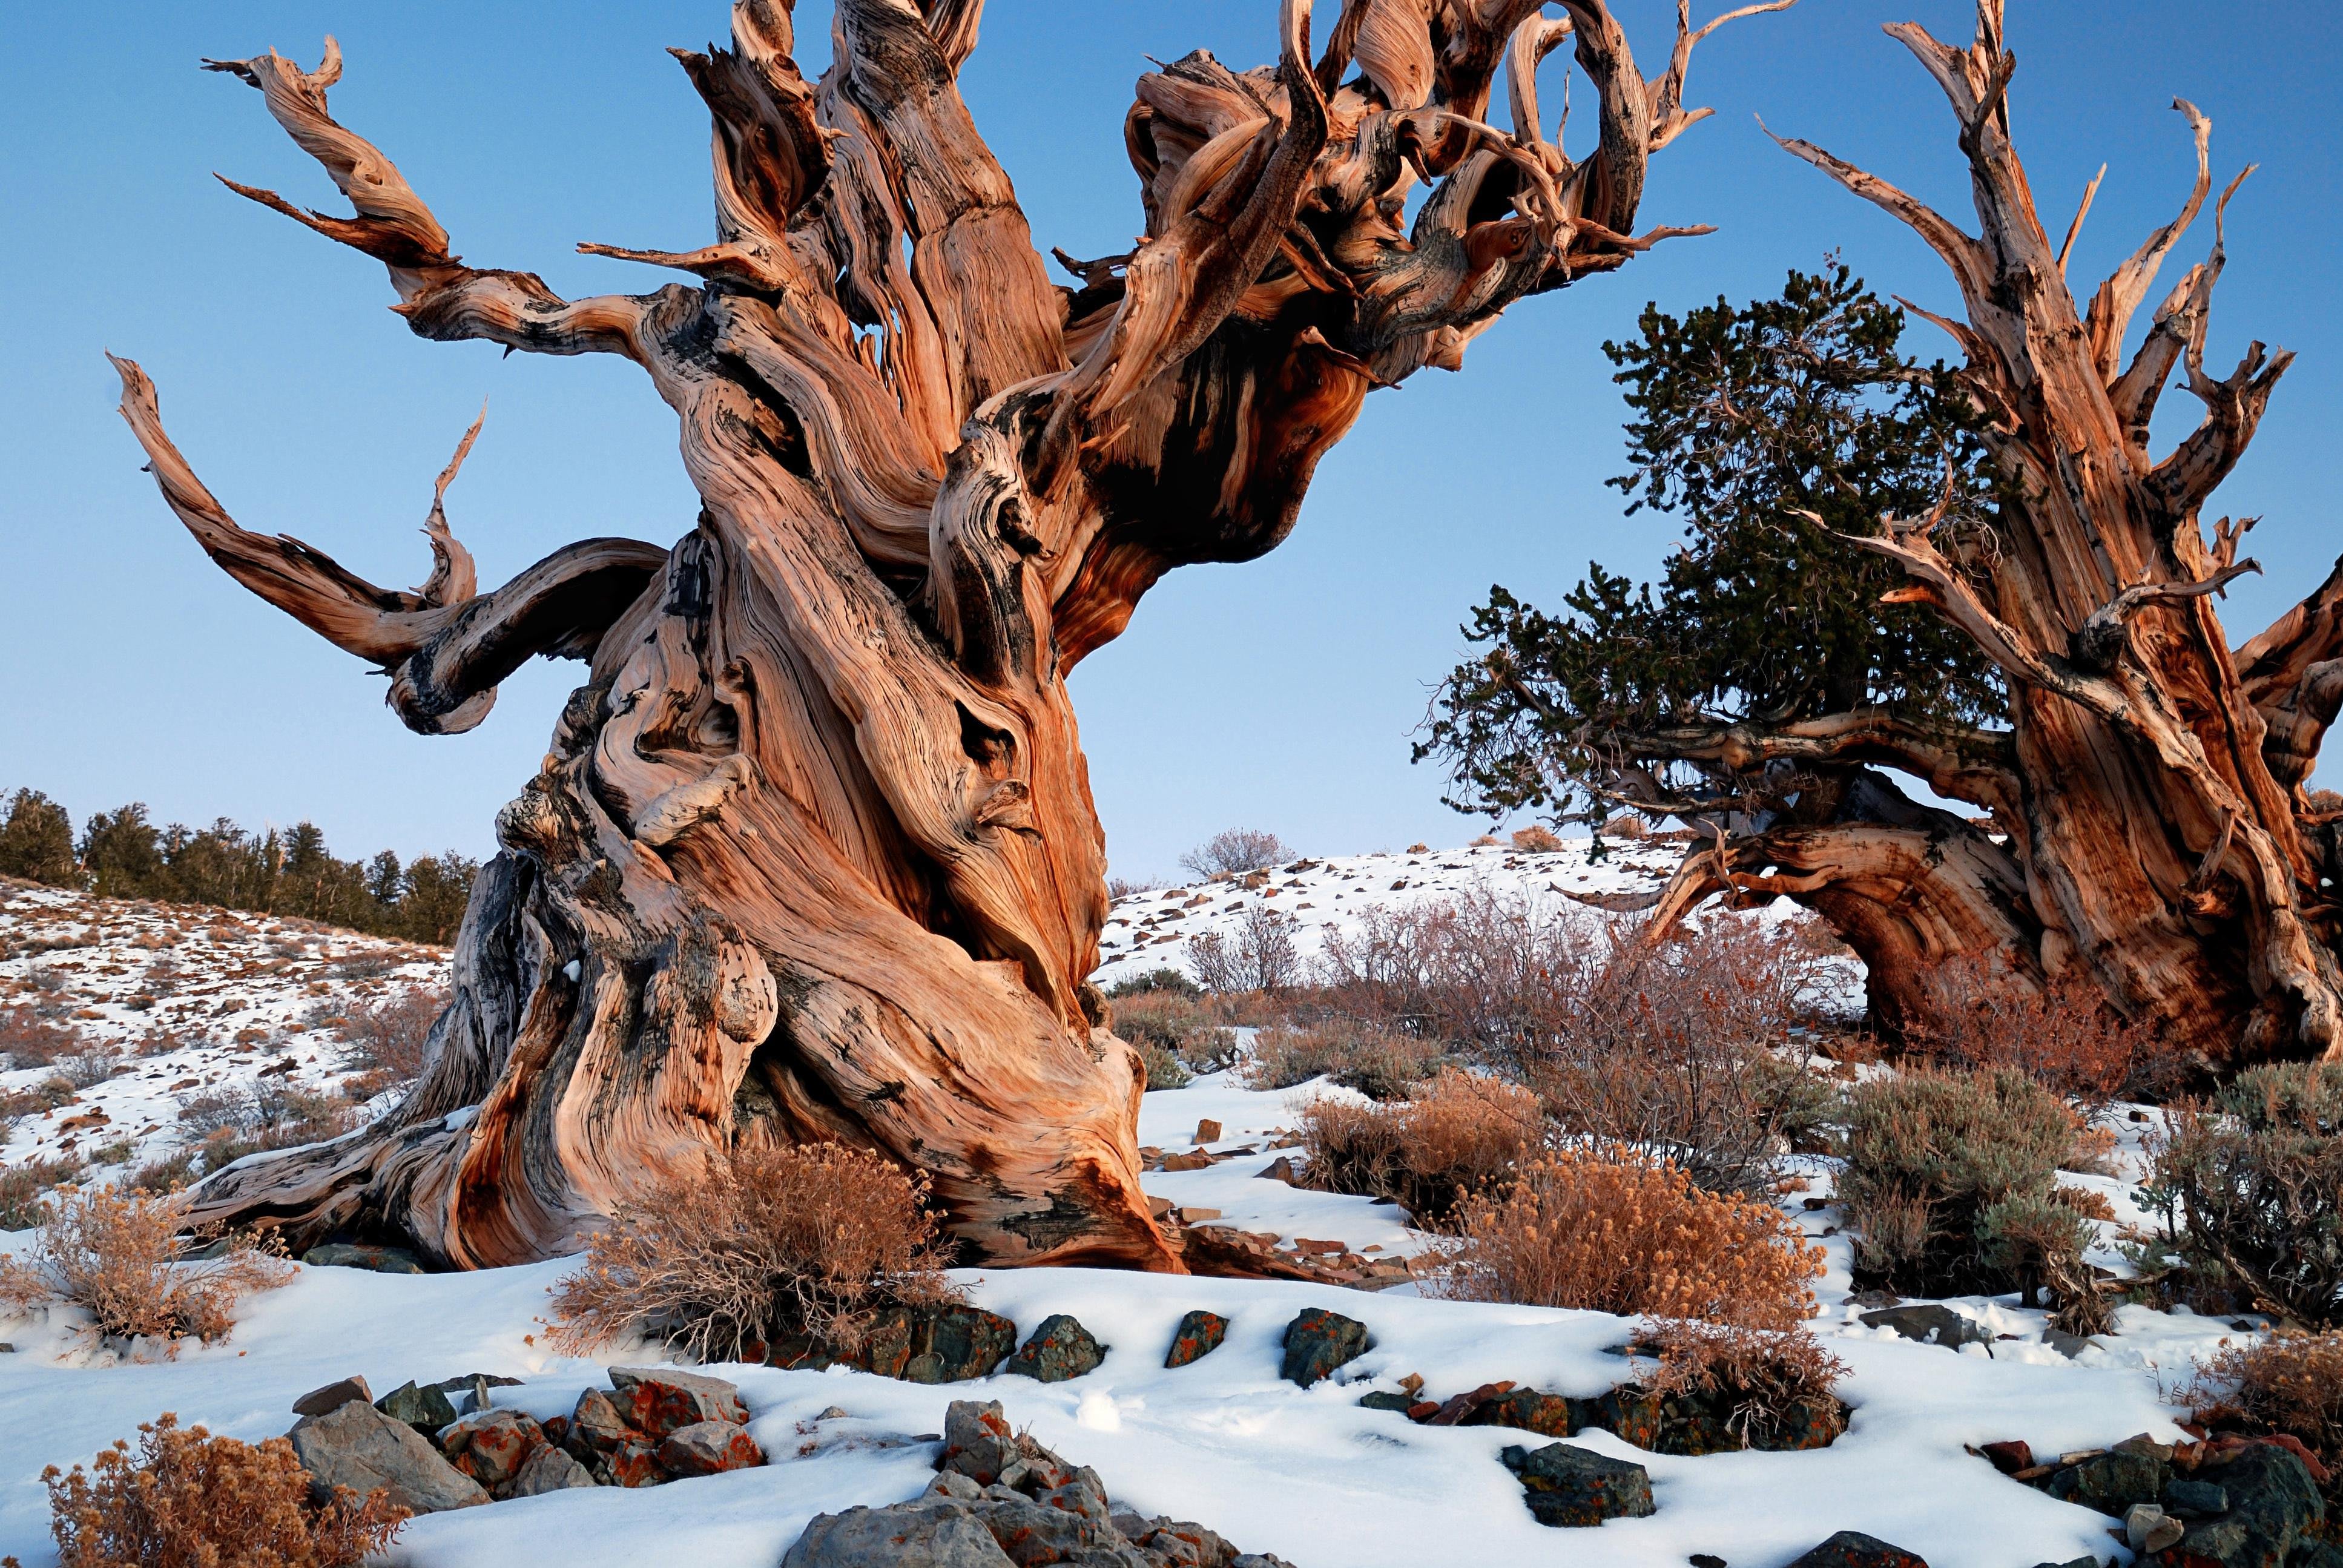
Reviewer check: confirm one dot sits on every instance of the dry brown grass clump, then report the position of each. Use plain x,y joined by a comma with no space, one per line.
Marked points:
1179,1026
1614,1231
2064,1036
2288,1382
32,1039
769,1244
1380,1063
187,1499
115,1252
1462,1134
1535,840
1771,1381
24,1189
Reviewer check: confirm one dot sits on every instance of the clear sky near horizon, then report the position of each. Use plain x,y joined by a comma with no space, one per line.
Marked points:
1278,694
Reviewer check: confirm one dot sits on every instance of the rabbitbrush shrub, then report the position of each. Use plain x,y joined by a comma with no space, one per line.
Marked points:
1175,1024
1461,1133
812,1241
1929,1155
116,1252
1616,1230
1380,1063
187,1499
2287,1383
2253,1182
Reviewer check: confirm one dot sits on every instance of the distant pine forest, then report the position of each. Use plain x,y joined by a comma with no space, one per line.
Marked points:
122,854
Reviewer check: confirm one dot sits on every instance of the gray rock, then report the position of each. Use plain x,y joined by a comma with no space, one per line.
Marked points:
492,1446
708,1447
1318,1341
2186,1499
1930,1325
380,1259
318,1400
426,1410
657,1401
1060,1349
2275,1509
1568,1486
596,1422
2150,1529
357,1446
926,1533
470,1391
549,1468
1854,1549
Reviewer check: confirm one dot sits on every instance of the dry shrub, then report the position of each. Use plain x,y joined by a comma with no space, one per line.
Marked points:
1462,1134
769,1244
1259,955
24,1189
2063,1035
1236,850
1535,840
91,1066
1382,1064
1615,1230
31,1040
1159,1067
1178,1024
1770,1380
117,1251
392,1037
2253,1182
2287,1383
190,1500
1931,1160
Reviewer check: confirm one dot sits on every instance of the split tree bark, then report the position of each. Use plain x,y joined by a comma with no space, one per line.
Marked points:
813,854
2145,817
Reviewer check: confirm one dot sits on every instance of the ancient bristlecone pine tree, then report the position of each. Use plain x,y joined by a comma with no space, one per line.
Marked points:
2147,821
813,855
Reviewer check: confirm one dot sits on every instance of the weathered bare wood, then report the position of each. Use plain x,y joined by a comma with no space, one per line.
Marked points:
812,854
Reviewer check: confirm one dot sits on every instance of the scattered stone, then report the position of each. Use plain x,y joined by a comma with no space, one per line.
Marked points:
358,1446
1001,1499
2065,1344
549,1469
947,1344
1707,1559
1060,1349
1575,1487
491,1447
1547,1414
1930,1325
2010,1457
1207,1131
1200,1333
318,1400
707,1448
426,1410
1382,1399
2112,1482
634,1463
595,1422
2186,1499
1197,1161
1318,1341
350,1255
1854,1549
657,1401
1281,1169
2149,1529
2275,1511
1198,1216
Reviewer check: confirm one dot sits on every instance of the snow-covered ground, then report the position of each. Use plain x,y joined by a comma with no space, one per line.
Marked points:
1307,1475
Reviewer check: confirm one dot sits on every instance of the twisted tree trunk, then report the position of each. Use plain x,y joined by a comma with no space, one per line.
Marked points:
2145,818
813,855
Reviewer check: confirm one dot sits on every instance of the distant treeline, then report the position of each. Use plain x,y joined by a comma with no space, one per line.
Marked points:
123,855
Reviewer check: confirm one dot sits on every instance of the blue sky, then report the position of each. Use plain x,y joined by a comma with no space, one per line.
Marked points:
1279,694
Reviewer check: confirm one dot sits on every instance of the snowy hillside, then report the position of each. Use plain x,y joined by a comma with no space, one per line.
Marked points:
176,1001
1306,1474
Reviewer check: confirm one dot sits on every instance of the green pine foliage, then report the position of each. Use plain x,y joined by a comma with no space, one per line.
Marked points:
1745,421
122,854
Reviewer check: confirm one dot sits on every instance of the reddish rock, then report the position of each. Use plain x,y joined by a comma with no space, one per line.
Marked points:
708,1447
1200,1333
2010,1457
491,1448
318,1400
596,1422
634,1463
657,1401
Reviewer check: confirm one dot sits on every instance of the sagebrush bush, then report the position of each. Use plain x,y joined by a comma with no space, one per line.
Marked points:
1236,850
30,1039
1615,1230
2063,1035
1161,1067
769,1244
2036,1241
391,1038
25,1186
185,1499
1461,1133
1929,1154
1774,1383
1178,1024
116,1252
2252,1181
1380,1063
1258,955
2287,1383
